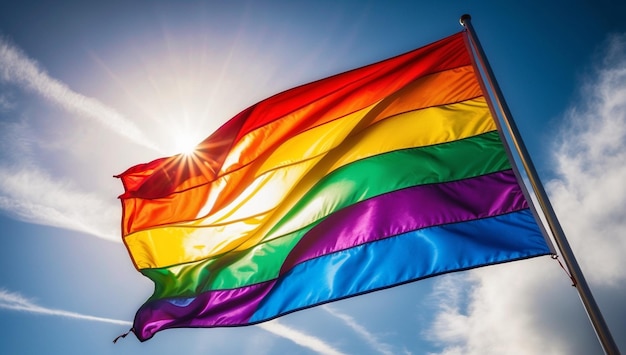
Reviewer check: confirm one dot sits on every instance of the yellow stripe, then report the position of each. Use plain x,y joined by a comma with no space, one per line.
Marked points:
245,221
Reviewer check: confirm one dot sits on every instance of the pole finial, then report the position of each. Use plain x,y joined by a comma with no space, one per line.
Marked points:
464,18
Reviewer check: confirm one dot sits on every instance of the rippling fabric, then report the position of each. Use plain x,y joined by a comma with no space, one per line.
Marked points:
372,178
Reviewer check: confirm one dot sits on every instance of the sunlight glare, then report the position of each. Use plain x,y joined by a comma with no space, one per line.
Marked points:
185,142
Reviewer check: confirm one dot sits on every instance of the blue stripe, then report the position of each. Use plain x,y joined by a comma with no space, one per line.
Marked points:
404,258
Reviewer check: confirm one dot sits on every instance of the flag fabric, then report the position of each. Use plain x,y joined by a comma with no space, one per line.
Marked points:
372,178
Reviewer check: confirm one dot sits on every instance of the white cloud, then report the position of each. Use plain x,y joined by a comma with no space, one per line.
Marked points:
30,190
523,307
590,193
31,195
371,339
16,302
6,103
17,68
299,338
503,314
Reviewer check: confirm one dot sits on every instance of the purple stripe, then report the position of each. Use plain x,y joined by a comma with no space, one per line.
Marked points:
215,308
407,210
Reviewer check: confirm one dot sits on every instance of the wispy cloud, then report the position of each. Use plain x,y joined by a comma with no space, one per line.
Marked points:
371,339
300,338
31,195
5,103
29,191
480,316
16,302
533,313
17,68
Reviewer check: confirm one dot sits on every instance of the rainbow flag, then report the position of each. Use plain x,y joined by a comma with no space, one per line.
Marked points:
375,177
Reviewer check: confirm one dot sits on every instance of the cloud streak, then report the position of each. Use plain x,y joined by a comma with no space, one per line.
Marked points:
365,334
17,68
31,195
299,338
16,302
533,312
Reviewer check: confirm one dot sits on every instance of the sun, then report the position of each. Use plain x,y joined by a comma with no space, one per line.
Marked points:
185,143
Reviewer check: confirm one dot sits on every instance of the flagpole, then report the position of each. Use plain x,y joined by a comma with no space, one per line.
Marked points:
595,316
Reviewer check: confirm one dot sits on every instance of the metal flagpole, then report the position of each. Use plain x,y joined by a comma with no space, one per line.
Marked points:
595,316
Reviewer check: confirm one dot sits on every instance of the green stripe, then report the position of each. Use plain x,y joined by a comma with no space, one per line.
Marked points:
392,171
360,180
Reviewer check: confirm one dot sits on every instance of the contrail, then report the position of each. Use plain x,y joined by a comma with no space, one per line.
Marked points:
31,195
16,302
365,334
17,68
299,338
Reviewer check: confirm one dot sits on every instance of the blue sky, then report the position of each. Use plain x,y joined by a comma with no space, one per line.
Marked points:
88,89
